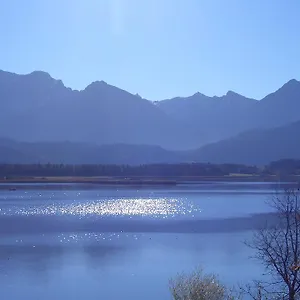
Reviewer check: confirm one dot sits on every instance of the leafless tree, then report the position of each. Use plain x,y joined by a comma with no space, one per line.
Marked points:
277,247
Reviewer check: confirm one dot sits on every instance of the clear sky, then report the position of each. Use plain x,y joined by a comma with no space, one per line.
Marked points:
157,48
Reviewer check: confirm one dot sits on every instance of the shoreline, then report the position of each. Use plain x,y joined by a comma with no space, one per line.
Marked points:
147,180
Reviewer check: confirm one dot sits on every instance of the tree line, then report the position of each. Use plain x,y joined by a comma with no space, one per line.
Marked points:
282,167
158,170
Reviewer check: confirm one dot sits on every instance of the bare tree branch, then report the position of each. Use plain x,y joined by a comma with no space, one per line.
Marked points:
277,247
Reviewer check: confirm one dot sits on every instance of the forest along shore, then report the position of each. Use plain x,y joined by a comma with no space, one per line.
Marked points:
144,180
155,174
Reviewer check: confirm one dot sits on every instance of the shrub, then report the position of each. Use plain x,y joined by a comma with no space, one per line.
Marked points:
198,286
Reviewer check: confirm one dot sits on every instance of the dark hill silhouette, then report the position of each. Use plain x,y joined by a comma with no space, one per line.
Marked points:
259,147
255,147
84,153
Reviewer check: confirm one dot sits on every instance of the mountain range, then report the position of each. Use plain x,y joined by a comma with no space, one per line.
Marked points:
36,107
42,120
218,118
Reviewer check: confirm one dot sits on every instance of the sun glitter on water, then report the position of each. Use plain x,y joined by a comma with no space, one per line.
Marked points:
160,207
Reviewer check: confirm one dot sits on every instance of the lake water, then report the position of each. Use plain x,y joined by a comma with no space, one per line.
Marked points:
92,242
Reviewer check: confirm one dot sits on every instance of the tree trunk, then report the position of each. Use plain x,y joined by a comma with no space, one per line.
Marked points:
291,295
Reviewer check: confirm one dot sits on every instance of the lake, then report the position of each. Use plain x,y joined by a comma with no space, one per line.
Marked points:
103,242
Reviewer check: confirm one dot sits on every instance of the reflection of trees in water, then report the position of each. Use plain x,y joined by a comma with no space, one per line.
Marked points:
102,256
38,260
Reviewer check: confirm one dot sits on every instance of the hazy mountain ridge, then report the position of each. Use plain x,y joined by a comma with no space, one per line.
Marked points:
84,153
39,109
228,115
258,147
214,118
278,108
36,107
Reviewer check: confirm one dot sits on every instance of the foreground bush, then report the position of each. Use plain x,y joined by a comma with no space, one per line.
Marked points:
199,286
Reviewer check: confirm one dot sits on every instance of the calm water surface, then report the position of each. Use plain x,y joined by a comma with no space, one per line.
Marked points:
123,243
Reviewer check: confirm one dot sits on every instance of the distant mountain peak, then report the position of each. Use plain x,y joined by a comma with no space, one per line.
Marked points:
96,85
232,94
198,94
292,83
44,78
290,87
40,74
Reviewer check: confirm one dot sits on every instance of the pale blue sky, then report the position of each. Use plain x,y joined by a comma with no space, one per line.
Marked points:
157,48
